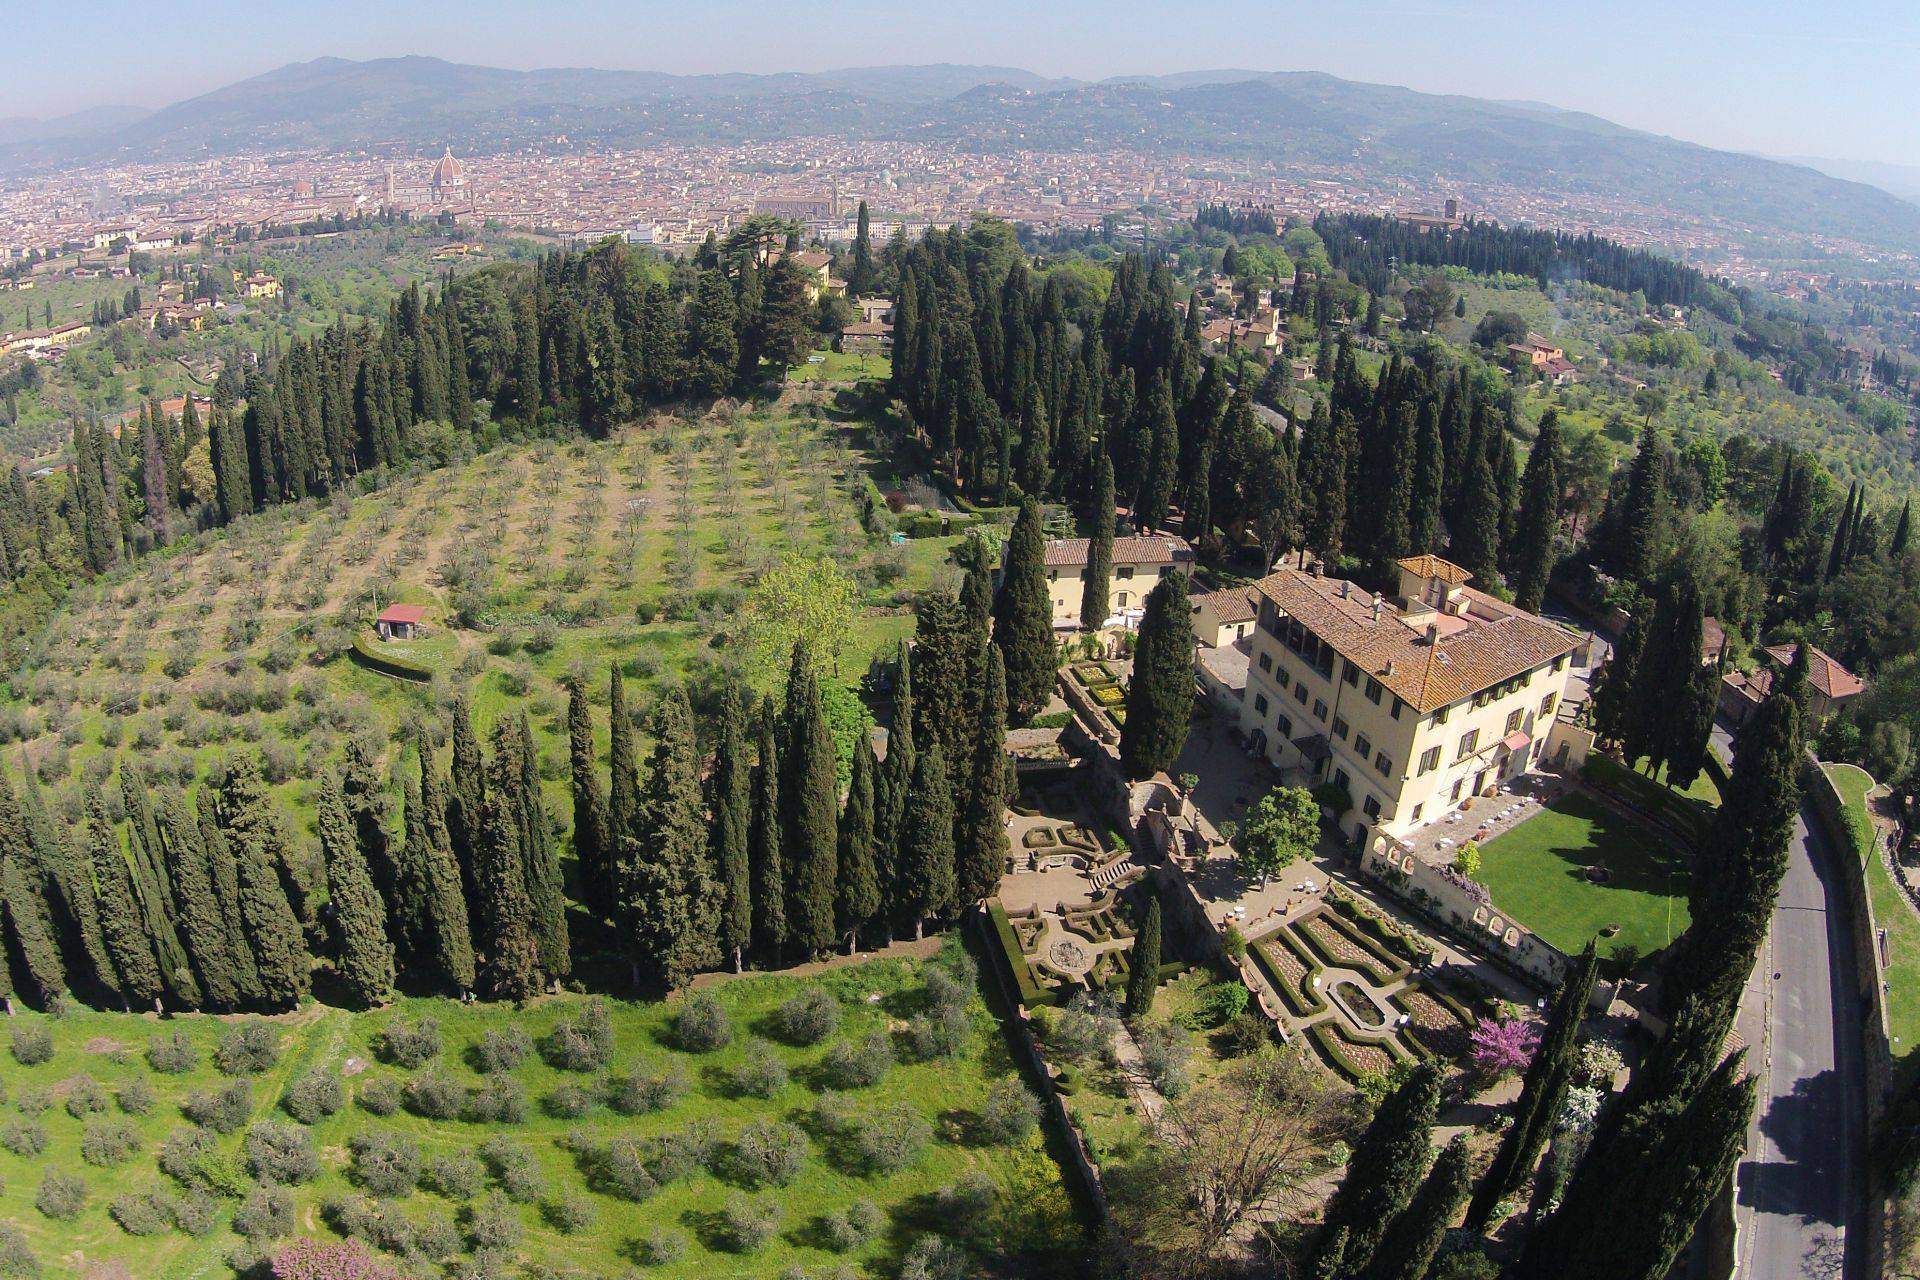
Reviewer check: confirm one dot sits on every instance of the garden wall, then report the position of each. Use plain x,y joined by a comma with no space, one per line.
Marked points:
1449,902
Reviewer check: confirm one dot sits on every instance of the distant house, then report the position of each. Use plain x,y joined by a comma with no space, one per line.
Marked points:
261,285
401,622
1222,617
867,337
1830,686
1138,564
1544,357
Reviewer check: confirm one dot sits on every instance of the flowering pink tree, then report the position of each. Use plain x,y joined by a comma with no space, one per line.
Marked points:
1502,1048
312,1260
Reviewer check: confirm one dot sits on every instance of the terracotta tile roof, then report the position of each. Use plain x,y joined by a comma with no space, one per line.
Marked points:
1498,644
1233,604
1824,672
405,613
1072,552
1432,566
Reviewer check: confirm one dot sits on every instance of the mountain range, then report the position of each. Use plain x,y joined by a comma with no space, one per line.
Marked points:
1298,118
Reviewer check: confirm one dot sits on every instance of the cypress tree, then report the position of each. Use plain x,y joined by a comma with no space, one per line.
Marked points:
1429,484
1615,712
226,891
1476,532
1096,593
1023,618
1542,1092
670,912
67,868
1638,521
364,800
858,898
1143,973
1414,1238
1387,1165
622,797
508,934
1160,695
254,835
121,920
546,891
1901,531
926,885
466,809
203,926
763,844
730,802
448,919
1329,1262
1163,456
808,814
980,834
590,837
890,797
1539,517
24,901
153,894
365,961
1394,532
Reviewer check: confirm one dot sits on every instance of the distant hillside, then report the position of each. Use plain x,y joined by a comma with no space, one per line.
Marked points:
1293,117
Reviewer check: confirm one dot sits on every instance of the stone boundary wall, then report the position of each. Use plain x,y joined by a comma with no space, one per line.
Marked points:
1868,978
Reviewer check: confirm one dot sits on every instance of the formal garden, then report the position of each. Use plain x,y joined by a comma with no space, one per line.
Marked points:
845,1123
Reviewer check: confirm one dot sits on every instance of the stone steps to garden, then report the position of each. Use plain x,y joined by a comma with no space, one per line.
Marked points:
1118,869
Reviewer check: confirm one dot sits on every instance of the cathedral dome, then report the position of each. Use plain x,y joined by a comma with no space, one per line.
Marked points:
448,171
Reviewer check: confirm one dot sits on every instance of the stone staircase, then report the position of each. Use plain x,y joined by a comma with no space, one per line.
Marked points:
1119,869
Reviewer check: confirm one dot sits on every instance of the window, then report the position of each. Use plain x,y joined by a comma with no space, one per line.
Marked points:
1340,778
1363,745
1415,815
1546,705
1374,690
1319,710
1457,784
1482,698
1351,675
1440,716
1429,759
1260,703
1340,728
1053,575
1370,807
1122,598
1397,704
1468,741
1281,678
1124,572
1285,727
1560,664
1513,720
1300,692
1266,664
1383,763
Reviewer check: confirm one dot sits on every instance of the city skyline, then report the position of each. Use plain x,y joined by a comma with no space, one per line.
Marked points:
1763,77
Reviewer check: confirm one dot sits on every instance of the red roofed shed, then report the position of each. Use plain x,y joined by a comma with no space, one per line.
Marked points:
400,621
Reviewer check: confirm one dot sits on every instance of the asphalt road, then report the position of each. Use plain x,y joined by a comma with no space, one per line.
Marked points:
1800,1194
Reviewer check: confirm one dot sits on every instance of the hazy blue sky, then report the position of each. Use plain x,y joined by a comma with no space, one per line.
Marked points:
1791,77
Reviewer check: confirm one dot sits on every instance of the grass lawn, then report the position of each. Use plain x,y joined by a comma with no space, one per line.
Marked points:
1891,912
838,366
1537,872
1033,1217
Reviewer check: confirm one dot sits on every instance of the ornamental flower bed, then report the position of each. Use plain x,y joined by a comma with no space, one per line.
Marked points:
1342,950
1435,1026
1348,1056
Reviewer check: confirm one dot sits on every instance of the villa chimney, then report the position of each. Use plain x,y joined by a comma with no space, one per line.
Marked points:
1376,608
1433,633
1346,588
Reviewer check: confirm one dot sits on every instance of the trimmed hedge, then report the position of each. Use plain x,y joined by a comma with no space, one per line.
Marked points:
1412,1033
1302,1002
1032,994
1376,965
1329,1038
1689,817
366,654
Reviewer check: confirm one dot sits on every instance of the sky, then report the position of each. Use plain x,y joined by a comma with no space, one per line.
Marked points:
1827,78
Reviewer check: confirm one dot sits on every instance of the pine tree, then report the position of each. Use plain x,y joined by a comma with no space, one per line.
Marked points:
591,841
254,836
365,961
1096,594
669,911
1023,618
1388,1163
1417,1232
730,804
1160,696
1542,1092
1143,973
763,843
448,921
808,811
926,886
980,833
1539,516
858,899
